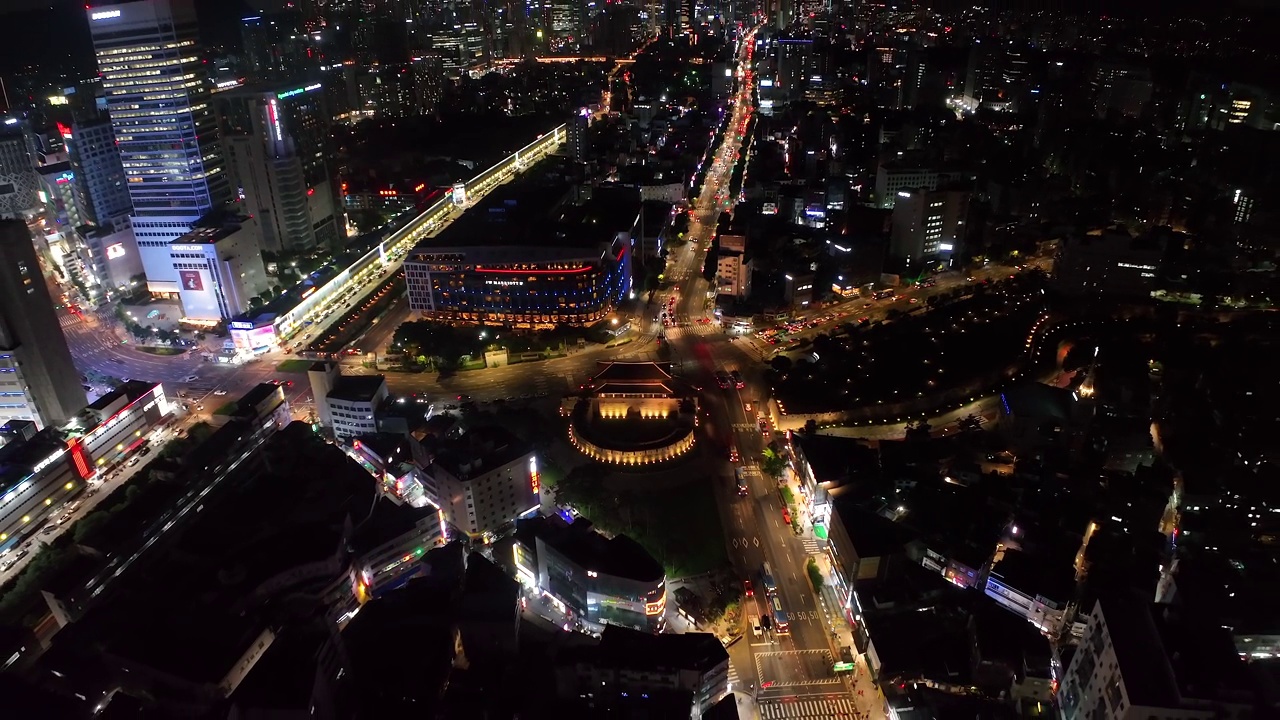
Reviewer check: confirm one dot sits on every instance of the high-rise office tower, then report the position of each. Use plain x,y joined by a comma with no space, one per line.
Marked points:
101,189
102,195
38,380
154,80
275,143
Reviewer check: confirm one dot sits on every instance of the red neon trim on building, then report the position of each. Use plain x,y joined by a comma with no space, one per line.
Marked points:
621,252
124,409
77,454
534,272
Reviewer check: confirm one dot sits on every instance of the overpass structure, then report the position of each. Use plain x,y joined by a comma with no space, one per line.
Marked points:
266,331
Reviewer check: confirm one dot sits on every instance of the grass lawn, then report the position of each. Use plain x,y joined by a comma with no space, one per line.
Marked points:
159,350
294,365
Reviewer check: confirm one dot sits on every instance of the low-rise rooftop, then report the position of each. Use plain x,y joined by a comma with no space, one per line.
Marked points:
357,388
619,556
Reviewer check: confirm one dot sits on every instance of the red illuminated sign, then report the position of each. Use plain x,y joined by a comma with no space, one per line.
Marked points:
81,462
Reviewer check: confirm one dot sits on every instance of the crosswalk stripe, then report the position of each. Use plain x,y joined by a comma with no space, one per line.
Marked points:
825,708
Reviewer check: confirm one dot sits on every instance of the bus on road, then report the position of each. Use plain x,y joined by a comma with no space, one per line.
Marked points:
780,624
766,580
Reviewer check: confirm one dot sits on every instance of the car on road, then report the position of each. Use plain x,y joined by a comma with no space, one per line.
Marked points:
786,516
219,393
746,588
738,382
723,379
134,461
755,626
733,453
49,529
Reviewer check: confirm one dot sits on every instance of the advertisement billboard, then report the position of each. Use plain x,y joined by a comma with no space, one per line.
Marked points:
262,337
115,251
253,339
191,280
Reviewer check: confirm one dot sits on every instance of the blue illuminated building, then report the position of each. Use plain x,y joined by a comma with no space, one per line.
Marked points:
530,255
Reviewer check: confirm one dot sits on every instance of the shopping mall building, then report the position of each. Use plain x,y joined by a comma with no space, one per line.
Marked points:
533,254
41,471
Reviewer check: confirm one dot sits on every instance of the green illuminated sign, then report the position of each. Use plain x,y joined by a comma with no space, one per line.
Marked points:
843,667
297,91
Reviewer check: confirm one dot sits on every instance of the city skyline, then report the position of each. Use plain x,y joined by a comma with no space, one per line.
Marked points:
740,361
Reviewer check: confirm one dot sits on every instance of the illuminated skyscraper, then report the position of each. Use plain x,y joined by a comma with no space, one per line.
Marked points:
158,98
275,142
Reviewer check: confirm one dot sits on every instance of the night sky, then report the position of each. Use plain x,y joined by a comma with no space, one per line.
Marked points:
56,33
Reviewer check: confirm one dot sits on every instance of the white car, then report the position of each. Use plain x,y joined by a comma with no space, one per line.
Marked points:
219,392
755,626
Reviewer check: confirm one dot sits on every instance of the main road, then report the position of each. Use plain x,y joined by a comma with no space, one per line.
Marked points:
789,673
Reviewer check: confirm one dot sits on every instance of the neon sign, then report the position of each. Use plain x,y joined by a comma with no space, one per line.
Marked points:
297,91
105,15
48,461
535,480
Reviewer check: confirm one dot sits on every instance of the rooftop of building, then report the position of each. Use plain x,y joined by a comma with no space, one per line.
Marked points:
1003,637
1047,571
388,446
19,458
955,521
212,575
284,677
624,647
872,534
834,459
386,521
357,388
632,372
930,643
257,394
637,378
130,391
1166,657
538,214
206,235
619,556
479,451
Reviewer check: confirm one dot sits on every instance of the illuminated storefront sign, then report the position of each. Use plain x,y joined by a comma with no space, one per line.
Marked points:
535,480
241,325
48,461
115,251
105,15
